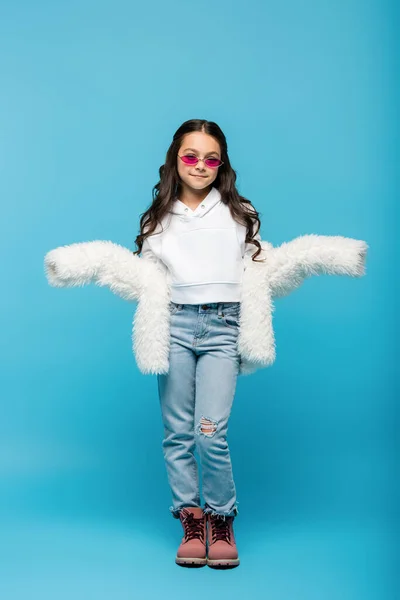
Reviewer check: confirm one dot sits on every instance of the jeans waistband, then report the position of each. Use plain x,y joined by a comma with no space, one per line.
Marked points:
210,306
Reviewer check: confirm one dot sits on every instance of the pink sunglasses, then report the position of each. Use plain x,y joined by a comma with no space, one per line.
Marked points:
190,159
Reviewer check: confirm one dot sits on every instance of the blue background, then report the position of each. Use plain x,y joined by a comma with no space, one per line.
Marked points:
92,92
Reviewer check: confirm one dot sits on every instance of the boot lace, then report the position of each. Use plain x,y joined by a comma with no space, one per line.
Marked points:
220,529
194,528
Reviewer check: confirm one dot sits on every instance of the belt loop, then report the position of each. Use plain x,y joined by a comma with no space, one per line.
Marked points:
220,305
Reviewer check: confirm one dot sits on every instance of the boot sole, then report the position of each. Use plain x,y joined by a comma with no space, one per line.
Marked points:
191,562
223,564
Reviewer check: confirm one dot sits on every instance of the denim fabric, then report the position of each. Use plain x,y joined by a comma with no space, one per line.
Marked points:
197,394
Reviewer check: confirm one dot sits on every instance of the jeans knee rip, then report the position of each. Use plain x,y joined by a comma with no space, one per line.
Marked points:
207,427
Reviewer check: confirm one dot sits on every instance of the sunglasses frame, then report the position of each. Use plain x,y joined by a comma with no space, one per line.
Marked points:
198,159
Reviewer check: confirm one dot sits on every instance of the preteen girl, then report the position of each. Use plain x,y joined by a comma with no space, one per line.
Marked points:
203,220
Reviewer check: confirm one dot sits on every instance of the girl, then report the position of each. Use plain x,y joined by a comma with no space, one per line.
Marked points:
205,228
204,316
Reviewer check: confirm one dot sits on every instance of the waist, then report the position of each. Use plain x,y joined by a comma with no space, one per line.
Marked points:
205,293
207,307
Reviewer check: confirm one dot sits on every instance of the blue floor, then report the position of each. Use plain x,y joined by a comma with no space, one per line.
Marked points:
77,559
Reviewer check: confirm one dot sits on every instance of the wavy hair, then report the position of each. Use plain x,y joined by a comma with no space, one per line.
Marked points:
168,188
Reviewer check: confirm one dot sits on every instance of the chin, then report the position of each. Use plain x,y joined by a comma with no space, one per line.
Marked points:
198,183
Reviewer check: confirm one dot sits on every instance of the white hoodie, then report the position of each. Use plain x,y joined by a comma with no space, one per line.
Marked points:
202,251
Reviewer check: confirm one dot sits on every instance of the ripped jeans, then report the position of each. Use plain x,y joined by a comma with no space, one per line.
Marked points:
196,397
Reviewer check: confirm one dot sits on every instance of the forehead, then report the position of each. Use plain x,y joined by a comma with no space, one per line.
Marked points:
200,141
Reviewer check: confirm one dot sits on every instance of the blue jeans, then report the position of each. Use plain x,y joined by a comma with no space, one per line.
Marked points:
196,398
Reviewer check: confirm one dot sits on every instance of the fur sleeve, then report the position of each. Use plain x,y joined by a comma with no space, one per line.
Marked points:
290,263
100,262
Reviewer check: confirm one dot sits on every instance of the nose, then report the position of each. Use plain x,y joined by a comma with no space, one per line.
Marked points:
198,166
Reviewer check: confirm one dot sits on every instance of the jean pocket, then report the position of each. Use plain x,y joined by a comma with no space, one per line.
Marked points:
173,308
231,318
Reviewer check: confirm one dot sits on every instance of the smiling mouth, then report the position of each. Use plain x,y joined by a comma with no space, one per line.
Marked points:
202,176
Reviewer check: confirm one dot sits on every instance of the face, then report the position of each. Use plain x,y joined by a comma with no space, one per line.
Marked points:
201,145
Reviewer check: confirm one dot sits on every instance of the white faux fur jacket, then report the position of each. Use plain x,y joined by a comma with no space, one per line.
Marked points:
138,279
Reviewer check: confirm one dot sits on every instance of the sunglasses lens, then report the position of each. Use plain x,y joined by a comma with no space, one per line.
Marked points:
189,160
213,162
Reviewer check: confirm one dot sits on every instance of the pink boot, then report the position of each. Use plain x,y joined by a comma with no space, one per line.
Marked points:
192,552
222,551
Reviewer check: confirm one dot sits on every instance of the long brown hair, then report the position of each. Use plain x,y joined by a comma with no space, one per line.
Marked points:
168,188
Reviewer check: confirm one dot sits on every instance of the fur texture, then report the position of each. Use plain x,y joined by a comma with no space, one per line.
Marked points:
133,278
